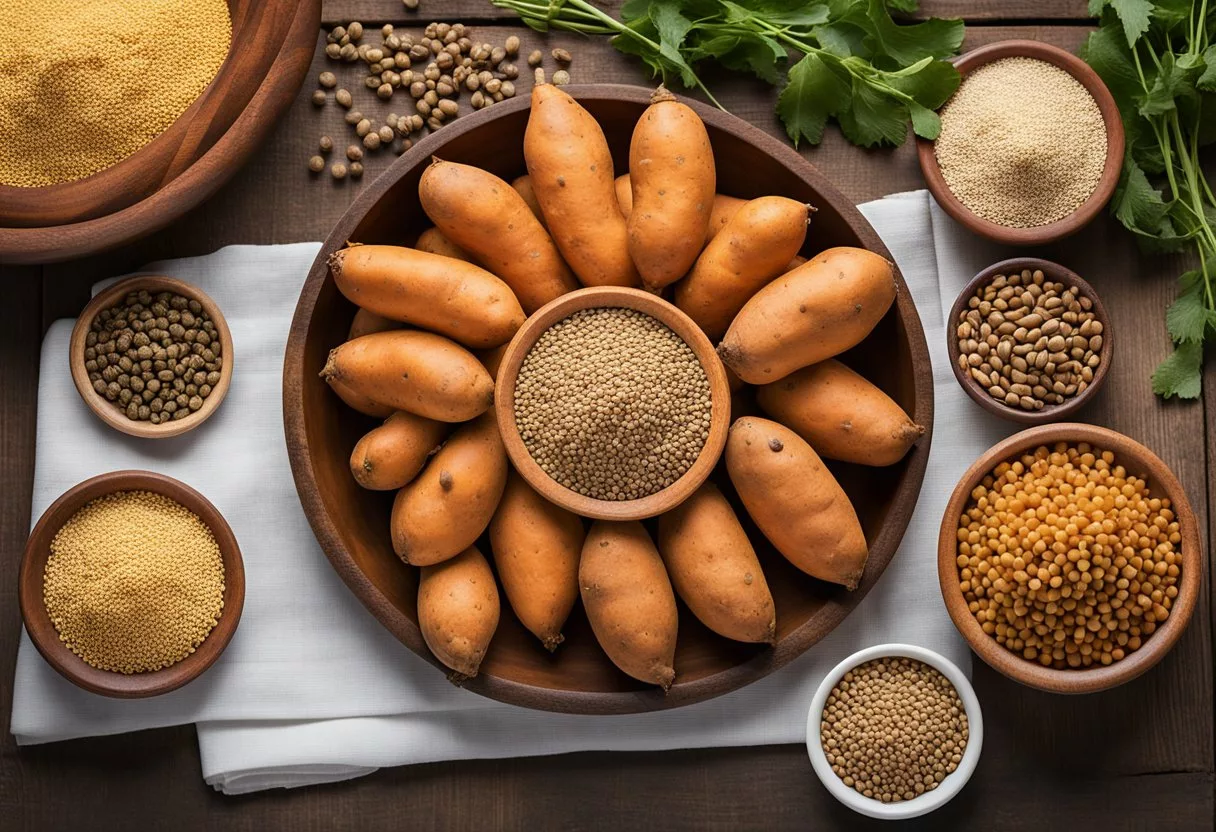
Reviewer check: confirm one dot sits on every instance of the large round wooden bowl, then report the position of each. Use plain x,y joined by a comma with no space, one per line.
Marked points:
352,525
273,42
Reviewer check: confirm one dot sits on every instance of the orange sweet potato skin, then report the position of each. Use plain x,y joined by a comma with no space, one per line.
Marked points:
523,187
488,218
459,300
570,167
389,456
420,372
724,207
433,241
795,501
365,323
458,610
841,414
446,508
629,600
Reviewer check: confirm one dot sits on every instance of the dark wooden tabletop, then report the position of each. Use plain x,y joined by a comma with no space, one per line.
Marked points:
1139,757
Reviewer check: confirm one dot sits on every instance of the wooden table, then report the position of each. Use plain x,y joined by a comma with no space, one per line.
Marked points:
1140,757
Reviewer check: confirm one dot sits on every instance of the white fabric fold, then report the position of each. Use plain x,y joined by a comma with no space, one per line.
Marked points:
312,689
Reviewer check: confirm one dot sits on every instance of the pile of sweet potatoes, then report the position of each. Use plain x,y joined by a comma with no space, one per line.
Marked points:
434,320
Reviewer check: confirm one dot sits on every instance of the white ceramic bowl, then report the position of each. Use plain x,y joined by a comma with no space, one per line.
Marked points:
928,801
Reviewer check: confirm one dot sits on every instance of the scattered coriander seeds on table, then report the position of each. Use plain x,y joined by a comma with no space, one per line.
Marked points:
893,729
612,404
156,357
1028,341
134,582
1066,558
316,164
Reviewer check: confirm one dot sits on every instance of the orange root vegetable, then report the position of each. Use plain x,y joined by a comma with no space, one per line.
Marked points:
536,547
421,372
671,168
358,401
365,323
795,501
487,218
434,242
629,600
492,359
817,311
447,507
724,207
714,568
841,414
754,247
523,187
391,455
570,167
449,297
458,611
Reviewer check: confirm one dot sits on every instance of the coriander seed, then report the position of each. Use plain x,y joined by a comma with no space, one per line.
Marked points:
535,57
326,144
354,153
512,45
318,98
343,97
356,170
338,170
562,56
328,80
560,78
316,164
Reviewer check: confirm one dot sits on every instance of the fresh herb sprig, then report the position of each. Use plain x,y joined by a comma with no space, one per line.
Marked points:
852,62
1159,61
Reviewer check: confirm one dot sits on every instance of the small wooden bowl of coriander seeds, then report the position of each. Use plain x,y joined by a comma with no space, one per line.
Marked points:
131,584
1029,341
894,731
612,403
151,356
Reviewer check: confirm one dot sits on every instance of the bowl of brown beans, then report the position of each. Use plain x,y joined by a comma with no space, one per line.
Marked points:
1069,558
894,731
152,356
131,584
1029,340
562,382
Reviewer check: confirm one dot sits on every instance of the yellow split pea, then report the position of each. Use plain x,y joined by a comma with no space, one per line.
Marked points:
134,582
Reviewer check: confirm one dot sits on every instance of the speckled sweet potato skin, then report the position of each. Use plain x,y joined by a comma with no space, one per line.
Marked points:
391,455
458,611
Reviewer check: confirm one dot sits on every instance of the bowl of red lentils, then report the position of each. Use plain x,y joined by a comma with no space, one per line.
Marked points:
131,584
894,731
1069,558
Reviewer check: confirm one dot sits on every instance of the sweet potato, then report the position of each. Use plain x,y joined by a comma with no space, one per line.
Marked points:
724,207
754,247
795,500
818,310
841,414
434,242
358,401
365,323
449,297
671,168
629,600
492,359
447,507
523,187
536,547
487,218
391,455
458,611
421,372
571,171
714,568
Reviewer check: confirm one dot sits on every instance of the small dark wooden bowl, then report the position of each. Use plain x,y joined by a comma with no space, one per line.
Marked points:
46,638
1050,412
106,410
1139,461
677,322
273,42
1078,219
352,525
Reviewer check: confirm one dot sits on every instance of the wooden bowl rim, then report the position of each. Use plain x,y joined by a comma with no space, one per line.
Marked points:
1140,461
1049,413
675,320
1087,210
42,631
796,642
208,173
107,411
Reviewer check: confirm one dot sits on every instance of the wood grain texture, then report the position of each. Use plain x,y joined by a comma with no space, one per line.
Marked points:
1134,758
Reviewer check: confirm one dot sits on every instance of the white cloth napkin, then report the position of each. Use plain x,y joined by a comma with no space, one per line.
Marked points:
312,689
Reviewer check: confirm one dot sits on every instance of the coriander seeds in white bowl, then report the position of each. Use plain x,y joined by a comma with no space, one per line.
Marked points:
930,726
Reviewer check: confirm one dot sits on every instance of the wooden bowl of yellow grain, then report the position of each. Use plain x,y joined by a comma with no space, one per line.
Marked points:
46,637
45,218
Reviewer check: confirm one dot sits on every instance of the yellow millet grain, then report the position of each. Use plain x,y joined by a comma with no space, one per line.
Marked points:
1022,143
134,582
1066,559
86,83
